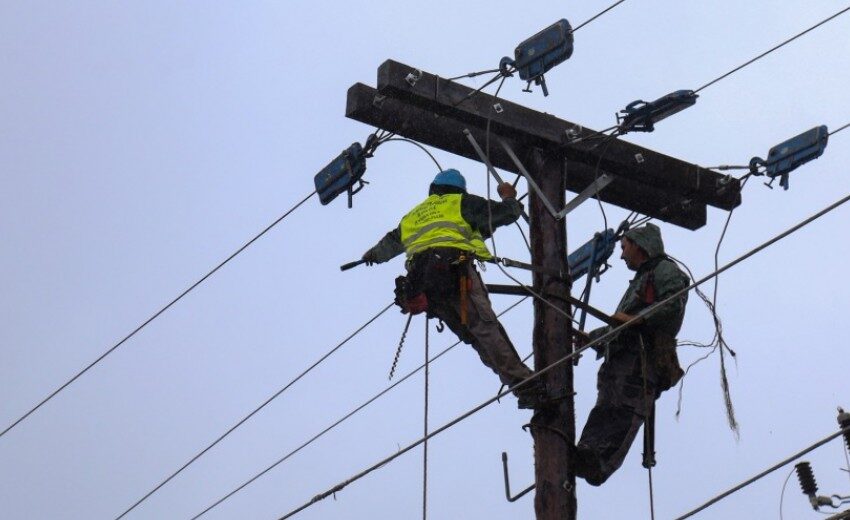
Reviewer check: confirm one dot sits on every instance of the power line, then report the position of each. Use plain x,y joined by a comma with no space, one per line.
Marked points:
762,55
764,473
340,421
156,315
253,412
605,337
840,129
594,17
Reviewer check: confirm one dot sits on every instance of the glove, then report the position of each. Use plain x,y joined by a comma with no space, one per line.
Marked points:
371,257
506,191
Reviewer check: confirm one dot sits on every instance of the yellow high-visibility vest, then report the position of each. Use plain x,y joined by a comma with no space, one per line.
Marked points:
437,222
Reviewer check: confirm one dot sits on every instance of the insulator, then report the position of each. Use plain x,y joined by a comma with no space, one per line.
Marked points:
844,422
807,479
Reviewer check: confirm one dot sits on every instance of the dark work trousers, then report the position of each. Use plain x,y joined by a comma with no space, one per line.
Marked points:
622,406
483,330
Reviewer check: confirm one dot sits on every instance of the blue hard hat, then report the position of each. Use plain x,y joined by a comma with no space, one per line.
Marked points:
450,177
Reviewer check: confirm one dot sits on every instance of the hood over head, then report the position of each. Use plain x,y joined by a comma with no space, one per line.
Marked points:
648,238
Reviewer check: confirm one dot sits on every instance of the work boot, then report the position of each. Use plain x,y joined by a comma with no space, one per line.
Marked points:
587,465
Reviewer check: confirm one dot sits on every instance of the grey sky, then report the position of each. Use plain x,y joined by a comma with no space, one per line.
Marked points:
143,142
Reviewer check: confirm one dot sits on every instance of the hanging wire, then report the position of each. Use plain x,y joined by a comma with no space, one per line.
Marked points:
782,495
155,315
344,418
718,341
605,337
762,55
386,140
763,474
253,412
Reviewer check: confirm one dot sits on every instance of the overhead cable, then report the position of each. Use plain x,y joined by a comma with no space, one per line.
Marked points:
762,55
597,15
253,412
156,315
601,339
839,129
764,473
341,420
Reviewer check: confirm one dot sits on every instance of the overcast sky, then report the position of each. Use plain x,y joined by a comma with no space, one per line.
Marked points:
143,142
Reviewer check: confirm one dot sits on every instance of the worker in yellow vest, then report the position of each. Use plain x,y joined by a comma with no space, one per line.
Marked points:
442,237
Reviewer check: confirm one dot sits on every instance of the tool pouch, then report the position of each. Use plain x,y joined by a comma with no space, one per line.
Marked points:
667,366
436,272
409,300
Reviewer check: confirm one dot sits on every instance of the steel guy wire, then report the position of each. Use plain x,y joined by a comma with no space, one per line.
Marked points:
156,315
601,339
764,473
341,420
762,55
254,412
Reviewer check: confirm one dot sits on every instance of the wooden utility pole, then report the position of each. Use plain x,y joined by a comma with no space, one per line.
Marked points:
553,426
450,116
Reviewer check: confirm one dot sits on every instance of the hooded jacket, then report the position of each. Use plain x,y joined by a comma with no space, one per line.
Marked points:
655,280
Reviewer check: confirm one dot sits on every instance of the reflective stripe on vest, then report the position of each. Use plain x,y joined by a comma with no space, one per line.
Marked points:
437,222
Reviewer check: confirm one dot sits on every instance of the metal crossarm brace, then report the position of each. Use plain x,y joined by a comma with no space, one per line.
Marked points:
594,188
590,191
486,161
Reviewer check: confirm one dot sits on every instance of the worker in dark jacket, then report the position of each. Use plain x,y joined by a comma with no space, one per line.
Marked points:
640,361
441,237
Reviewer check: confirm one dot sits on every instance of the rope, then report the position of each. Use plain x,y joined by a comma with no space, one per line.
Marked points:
154,316
605,337
762,55
425,429
252,413
764,473
339,421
